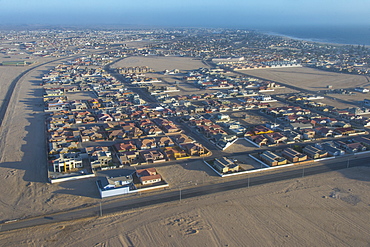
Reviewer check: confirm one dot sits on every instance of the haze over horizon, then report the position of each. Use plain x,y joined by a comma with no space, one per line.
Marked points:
263,14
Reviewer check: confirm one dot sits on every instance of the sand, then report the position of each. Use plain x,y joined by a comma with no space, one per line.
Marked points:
330,209
159,64
318,80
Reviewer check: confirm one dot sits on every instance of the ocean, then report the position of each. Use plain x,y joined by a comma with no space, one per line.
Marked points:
355,35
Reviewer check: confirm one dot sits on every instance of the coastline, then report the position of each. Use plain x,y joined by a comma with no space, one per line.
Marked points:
338,40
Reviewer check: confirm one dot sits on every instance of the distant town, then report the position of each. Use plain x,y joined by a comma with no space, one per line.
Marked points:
101,116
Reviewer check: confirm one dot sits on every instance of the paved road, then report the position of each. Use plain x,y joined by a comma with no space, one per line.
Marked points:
172,195
9,93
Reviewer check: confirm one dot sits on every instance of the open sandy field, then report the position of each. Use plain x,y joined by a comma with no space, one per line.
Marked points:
309,78
331,209
317,80
160,64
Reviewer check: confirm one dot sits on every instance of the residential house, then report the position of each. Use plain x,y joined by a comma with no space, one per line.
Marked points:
128,158
99,156
260,129
276,137
344,131
293,155
323,132
113,186
152,156
117,134
260,140
272,159
292,136
308,134
182,139
363,140
195,149
148,176
147,143
225,165
175,153
355,147
125,146
67,162
301,126
331,148
165,141
314,153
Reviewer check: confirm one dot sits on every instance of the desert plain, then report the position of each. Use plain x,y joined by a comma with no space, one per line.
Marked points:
331,209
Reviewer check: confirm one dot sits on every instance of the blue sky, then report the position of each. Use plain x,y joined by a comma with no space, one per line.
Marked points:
187,13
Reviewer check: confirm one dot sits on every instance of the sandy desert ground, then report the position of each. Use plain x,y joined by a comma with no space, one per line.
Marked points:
309,78
159,64
330,209
317,80
290,213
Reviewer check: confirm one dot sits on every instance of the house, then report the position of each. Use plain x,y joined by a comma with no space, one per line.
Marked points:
128,158
331,148
301,126
148,176
292,136
355,147
323,132
276,137
182,139
113,186
105,117
225,165
147,143
363,140
165,141
314,153
175,153
260,129
125,146
117,134
260,140
195,149
223,140
272,159
308,134
344,131
99,156
152,130
152,156
67,162
293,155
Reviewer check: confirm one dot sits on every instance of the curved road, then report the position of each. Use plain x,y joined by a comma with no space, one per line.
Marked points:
9,93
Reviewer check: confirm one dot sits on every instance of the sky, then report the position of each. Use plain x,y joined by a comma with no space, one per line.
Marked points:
187,13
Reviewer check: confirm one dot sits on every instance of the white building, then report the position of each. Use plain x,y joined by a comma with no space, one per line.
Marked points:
66,162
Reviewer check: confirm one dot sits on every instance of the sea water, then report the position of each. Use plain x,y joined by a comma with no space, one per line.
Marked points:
353,35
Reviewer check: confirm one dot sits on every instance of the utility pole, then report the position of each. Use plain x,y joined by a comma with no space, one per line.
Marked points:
101,210
180,194
348,163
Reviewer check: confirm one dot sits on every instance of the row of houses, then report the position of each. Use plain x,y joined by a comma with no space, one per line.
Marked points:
262,135
316,151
